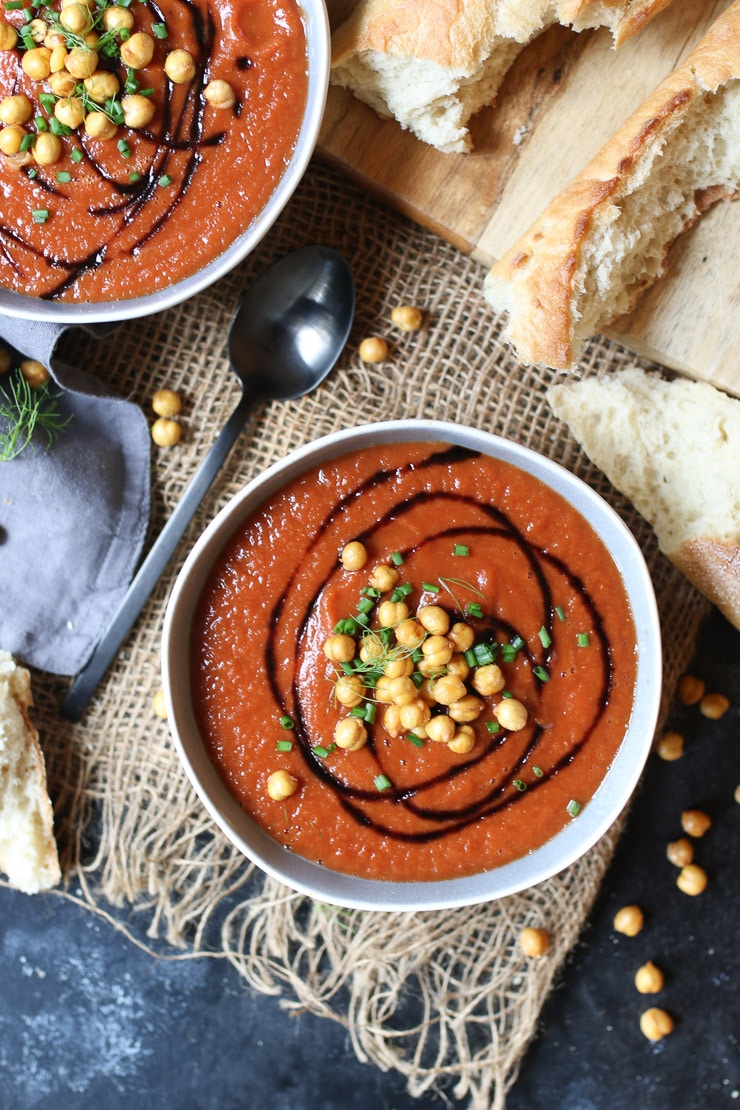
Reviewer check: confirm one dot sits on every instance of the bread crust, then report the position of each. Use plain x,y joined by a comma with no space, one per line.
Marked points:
714,568
537,281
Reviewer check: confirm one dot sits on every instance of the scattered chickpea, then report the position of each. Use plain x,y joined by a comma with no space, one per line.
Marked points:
415,715
409,633
437,652
381,690
102,86
406,317
463,741
402,690
76,18
8,36
62,83
649,978
70,112
692,879
116,18
54,38
339,648
179,66
383,577
15,109
488,679
656,1024
392,720
695,822
58,58
137,51
392,612
448,689
629,921
47,149
138,111
34,372
219,94
349,690
281,785
441,729
166,402
462,636
434,619
165,432
534,942
459,665
690,689
670,746
354,555
37,29
350,734
158,704
714,706
680,852
399,668
510,714
466,709
81,62
370,648
35,63
98,126
11,138
373,349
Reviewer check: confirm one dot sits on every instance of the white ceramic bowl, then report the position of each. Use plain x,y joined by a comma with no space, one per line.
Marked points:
316,22
341,889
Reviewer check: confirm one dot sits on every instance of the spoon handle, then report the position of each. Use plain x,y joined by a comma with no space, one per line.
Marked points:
151,568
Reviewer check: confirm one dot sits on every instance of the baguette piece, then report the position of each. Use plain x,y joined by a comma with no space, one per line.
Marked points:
433,65
28,851
673,448
605,239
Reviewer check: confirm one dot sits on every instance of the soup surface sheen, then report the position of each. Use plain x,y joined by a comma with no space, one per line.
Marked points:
117,218
547,602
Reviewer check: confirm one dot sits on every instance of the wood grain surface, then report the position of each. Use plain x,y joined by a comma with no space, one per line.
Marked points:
563,97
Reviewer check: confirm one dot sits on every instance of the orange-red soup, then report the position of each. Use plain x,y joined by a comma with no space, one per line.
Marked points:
122,217
483,533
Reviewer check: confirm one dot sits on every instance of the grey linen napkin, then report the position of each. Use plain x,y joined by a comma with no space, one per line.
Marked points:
73,519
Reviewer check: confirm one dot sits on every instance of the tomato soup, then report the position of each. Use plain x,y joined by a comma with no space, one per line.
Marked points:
428,651
121,183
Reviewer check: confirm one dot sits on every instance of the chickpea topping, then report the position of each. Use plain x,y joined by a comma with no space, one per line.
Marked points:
70,112
349,690
467,708
158,704
11,138
47,149
373,349
76,18
54,38
15,109
670,746
370,648
399,668
81,63
680,852
34,371
459,665
138,111
166,402
281,785
488,679
406,317
58,58
409,633
354,555
116,18
629,921
392,720
649,978
448,689
463,741
339,648
441,729
714,706
165,432
62,83
690,689
534,942
692,879
37,29
137,51
35,63
179,66
383,577
350,734
437,651
219,94
102,86
402,691
392,612
434,619
656,1024
510,714
381,690
8,36
98,126
695,822
415,714
462,636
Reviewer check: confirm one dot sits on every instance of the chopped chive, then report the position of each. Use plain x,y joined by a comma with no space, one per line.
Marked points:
483,655
63,176
286,721
134,176
417,678
544,636
541,673
13,5
430,587
508,653
470,658
320,751
348,668
47,100
284,745
346,627
365,605
406,588
76,155
58,128
517,643
124,148
493,726
506,694
537,772
363,619
560,612
397,558
582,639
164,181
41,123
573,807
146,92
33,172
40,215
520,784
159,30
370,710
382,782
417,655
473,609
370,591
415,740
461,549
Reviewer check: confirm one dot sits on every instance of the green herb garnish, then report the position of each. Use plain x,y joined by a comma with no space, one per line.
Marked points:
23,411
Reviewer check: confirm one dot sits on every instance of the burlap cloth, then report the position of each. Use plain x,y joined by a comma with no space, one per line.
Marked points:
446,998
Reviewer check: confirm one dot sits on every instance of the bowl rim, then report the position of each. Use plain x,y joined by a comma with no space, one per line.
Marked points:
318,36
337,888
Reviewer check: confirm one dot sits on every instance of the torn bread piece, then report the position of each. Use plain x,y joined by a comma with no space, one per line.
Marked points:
672,448
605,239
28,851
432,66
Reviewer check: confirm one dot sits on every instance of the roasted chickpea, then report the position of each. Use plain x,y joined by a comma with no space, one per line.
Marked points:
54,38
37,29
695,822
373,349
137,51
534,942
680,852
409,633
692,879
714,706
165,432
656,1024
383,577
370,648
690,689
510,714
382,694
670,746
488,679
448,689
467,708
402,690
102,86
138,111
458,665
47,149
81,63
58,59
62,83
116,18
70,112
339,648
649,979
350,734
76,18
98,126
15,109
354,555
35,63
399,668
441,729
219,94
349,690
281,785
406,317
11,139
392,720
392,612
629,920
166,402
464,739
434,619
414,715
437,651
462,636
158,704
8,36
179,66
34,372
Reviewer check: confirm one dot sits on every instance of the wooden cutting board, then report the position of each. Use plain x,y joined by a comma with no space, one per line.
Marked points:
564,96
